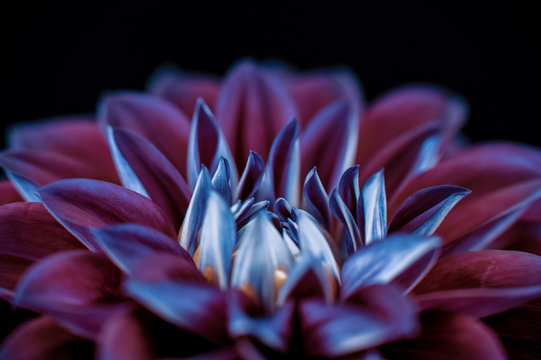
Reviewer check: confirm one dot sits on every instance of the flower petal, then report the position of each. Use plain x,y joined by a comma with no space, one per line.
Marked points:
28,233
401,259
281,177
330,140
481,283
8,193
222,179
251,177
262,255
340,210
217,240
144,169
374,208
127,244
82,204
43,339
157,120
207,145
343,329
316,200
422,212
182,89
251,109
448,336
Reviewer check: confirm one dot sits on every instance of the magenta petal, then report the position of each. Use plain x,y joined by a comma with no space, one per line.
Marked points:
82,204
342,329
252,107
423,211
196,307
481,283
329,142
77,138
127,244
42,339
183,90
144,169
274,329
28,233
157,120
448,336
8,193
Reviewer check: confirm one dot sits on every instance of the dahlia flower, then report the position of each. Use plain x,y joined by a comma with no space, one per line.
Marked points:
269,215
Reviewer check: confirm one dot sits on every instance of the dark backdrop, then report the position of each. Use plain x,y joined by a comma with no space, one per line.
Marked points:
60,56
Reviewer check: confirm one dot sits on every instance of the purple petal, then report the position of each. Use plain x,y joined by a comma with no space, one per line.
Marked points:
448,336
144,169
43,339
196,210
81,205
481,283
28,233
313,241
261,257
342,213
222,179
217,240
251,109
8,193
374,208
251,177
329,141
195,307
157,120
343,329
274,330
422,212
127,244
399,259
183,90
282,172
207,145
316,199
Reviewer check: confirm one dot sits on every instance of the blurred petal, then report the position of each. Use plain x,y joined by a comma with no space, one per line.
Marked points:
399,259
42,339
374,208
422,212
262,256
448,336
481,283
217,240
127,244
81,205
144,169
72,137
27,234
157,120
316,199
196,210
207,145
251,109
183,89
8,193
343,329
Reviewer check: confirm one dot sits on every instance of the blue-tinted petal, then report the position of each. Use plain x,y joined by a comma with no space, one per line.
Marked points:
221,180
401,259
423,211
196,210
217,240
429,155
342,213
316,201
261,257
348,188
251,177
374,208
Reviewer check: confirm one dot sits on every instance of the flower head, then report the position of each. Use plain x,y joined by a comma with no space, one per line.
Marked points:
267,215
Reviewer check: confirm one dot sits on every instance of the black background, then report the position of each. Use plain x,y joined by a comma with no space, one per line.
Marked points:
61,56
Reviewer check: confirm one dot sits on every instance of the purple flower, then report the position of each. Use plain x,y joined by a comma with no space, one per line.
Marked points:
284,219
